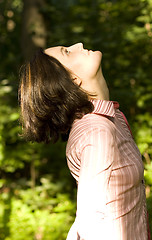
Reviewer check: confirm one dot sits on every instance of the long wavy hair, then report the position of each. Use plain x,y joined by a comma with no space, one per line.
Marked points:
49,99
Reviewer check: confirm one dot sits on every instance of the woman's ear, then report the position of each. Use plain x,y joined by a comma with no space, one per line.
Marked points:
77,80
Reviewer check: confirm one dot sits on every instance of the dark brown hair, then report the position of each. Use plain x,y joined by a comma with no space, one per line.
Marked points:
50,101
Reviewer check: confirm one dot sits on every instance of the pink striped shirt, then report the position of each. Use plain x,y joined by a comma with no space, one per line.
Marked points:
107,165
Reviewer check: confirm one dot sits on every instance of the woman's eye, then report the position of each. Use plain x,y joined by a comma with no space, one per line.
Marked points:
67,52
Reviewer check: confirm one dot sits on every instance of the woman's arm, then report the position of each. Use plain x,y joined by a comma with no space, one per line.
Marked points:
96,160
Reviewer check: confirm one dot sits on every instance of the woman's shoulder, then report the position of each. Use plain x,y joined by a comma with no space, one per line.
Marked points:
90,123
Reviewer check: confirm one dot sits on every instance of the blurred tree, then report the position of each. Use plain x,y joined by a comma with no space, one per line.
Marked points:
33,27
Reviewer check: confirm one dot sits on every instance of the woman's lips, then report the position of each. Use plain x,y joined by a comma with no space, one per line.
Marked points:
88,51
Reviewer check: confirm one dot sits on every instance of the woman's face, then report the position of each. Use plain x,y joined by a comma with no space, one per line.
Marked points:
82,63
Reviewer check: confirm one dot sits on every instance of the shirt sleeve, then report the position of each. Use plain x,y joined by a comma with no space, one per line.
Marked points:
96,159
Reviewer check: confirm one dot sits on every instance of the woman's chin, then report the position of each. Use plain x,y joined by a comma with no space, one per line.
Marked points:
98,56
99,53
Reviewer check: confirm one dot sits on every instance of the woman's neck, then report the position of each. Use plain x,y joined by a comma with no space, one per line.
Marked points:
99,86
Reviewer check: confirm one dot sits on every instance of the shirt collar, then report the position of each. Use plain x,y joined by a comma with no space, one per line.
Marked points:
105,107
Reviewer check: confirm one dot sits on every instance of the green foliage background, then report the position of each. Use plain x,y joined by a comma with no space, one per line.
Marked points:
38,194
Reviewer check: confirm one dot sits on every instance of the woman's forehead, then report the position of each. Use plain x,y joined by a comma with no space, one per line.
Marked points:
56,52
52,49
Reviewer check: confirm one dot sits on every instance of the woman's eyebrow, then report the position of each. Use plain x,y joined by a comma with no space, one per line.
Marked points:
62,50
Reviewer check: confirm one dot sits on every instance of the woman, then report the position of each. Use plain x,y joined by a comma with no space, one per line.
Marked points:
64,89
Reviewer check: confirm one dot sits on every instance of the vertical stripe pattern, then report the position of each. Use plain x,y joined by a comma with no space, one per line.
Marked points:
107,165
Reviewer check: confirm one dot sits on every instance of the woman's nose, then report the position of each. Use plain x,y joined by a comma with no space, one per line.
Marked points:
80,45
77,45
